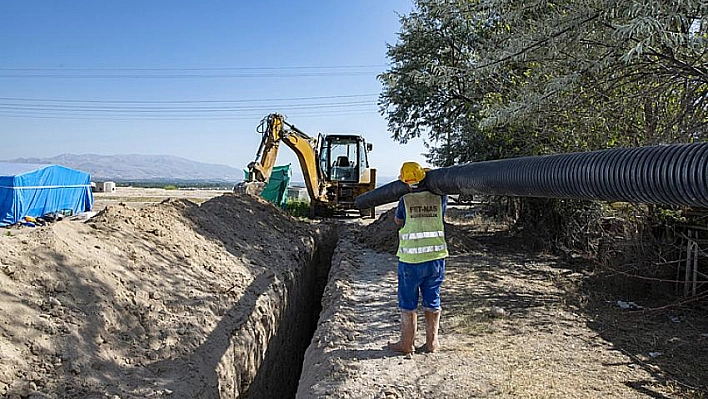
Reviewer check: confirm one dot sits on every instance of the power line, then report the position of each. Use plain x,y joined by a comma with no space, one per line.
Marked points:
183,109
68,108
118,109
265,68
28,108
189,73
60,100
188,76
253,116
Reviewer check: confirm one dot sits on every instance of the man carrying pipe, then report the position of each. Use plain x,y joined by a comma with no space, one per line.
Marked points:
421,259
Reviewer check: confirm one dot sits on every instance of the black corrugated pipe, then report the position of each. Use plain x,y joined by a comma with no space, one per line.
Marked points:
674,174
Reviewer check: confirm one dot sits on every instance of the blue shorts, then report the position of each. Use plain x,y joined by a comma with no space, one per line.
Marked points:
420,278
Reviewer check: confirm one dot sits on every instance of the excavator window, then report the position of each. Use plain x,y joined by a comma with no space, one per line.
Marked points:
342,157
324,157
342,151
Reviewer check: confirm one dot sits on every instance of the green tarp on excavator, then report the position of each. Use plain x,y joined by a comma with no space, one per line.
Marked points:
276,191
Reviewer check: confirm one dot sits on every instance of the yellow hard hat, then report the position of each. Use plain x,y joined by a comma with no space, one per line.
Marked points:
411,173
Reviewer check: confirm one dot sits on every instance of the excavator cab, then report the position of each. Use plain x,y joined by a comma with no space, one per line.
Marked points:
344,164
344,158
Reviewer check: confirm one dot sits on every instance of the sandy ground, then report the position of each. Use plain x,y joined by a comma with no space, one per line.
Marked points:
169,298
146,301
545,343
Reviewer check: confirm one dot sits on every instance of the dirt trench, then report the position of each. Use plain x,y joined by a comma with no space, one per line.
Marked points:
289,323
172,299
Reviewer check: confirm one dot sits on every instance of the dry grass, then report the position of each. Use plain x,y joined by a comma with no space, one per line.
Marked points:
562,330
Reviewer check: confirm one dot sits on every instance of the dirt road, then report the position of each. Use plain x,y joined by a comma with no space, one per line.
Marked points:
544,345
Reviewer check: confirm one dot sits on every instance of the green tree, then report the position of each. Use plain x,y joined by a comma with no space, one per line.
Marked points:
490,79
426,92
498,78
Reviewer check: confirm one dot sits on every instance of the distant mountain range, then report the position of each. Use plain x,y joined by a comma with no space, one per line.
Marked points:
141,168
156,169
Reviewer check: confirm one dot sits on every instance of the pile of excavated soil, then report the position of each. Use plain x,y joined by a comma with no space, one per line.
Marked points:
382,235
163,300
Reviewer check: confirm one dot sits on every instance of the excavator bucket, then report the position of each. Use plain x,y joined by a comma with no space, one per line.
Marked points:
254,188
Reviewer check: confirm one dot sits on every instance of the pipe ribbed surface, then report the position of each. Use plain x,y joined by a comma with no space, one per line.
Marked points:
674,174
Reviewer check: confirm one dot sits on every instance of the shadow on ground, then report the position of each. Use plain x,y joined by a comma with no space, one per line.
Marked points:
666,338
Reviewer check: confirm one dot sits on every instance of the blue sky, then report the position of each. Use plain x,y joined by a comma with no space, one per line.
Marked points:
192,78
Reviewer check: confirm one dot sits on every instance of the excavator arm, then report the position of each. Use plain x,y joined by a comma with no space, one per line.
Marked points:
302,145
271,129
275,130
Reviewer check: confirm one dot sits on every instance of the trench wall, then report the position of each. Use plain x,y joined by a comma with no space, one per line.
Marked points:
340,324
264,358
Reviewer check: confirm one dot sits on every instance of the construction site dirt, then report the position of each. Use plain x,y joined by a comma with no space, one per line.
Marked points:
216,295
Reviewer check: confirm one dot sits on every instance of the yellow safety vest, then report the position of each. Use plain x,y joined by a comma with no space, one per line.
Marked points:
422,237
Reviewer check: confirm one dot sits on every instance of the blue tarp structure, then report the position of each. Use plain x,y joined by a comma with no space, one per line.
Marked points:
38,189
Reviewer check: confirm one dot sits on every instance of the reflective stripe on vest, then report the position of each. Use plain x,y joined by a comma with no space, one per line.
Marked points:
422,237
424,234
423,250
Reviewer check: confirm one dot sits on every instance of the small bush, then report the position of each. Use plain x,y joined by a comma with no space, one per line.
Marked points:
298,208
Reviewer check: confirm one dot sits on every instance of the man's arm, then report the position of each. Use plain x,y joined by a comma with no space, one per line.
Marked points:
400,217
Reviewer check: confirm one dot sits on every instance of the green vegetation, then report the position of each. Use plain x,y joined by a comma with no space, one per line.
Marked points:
485,80
498,79
298,208
171,187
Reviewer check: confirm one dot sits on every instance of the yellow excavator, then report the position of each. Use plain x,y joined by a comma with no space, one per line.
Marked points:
335,166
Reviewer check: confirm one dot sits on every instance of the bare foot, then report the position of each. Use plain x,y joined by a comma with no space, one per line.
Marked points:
424,348
398,347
